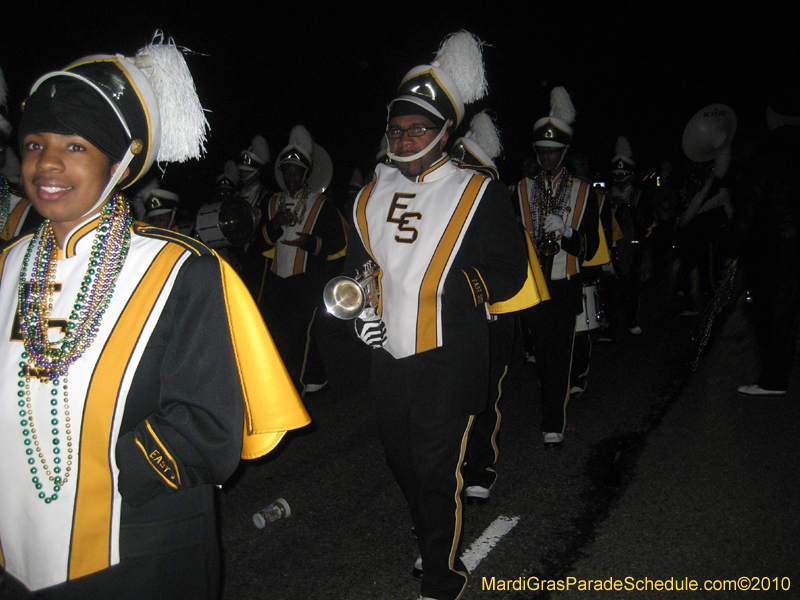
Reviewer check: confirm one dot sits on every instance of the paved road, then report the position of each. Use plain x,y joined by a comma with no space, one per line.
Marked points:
665,475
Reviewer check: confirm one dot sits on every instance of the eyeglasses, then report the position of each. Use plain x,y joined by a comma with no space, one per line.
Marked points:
395,133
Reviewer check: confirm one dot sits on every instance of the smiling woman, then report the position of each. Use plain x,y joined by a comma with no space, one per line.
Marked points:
64,177
123,385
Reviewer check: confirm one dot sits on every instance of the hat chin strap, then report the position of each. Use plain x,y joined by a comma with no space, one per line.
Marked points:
115,178
422,152
560,160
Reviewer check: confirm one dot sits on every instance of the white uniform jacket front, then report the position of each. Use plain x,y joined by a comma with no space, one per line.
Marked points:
582,215
321,220
159,404
436,256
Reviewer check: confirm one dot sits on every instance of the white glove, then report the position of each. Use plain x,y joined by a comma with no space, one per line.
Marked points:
555,224
371,328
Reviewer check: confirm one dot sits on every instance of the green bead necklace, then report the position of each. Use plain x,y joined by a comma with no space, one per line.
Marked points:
50,361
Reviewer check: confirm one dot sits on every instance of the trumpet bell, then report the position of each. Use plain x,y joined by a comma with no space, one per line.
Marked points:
344,298
549,248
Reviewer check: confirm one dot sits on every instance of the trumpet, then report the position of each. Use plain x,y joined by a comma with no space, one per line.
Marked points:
345,297
548,246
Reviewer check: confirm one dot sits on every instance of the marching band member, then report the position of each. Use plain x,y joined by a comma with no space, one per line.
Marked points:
250,179
251,167
129,394
634,216
160,207
560,214
477,150
440,236
304,235
592,319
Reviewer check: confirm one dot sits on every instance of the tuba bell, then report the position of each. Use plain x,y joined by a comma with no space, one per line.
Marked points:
709,133
345,297
708,136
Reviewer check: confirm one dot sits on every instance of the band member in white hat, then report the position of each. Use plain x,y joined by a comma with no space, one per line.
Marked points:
304,235
560,213
477,150
128,389
440,236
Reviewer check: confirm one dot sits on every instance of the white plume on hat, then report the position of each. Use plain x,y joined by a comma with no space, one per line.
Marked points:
484,132
163,118
183,121
456,77
623,152
259,149
561,105
460,55
478,148
231,172
299,140
303,151
356,179
555,130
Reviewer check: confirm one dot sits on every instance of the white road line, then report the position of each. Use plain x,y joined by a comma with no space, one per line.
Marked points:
480,548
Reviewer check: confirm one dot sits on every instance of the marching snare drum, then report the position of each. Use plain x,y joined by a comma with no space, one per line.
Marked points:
592,316
227,223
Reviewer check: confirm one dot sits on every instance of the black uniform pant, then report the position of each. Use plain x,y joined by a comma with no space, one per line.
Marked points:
776,306
482,450
425,437
581,359
290,308
552,327
587,325
623,294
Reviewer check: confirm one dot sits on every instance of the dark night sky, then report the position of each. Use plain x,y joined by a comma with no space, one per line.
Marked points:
636,69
